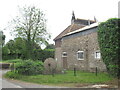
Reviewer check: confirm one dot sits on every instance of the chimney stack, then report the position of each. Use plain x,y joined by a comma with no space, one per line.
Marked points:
73,17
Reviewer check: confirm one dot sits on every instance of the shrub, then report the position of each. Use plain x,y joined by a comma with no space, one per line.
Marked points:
12,75
108,38
43,54
29,67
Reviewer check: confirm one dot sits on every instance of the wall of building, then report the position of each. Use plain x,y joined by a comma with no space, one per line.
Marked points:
58,57
87,43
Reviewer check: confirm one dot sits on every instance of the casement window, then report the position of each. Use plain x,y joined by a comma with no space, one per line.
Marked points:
64,54
80,55
97,55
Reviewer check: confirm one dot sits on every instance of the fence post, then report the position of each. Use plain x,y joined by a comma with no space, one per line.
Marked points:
49,68
96,71
74,71
53,72
12,67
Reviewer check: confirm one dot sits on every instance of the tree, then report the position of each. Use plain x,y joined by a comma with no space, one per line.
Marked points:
31,25
2,36
11,46
108,38
20,47
50,46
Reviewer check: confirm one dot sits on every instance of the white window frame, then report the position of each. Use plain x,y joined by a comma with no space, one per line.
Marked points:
64,55
78,54
97,55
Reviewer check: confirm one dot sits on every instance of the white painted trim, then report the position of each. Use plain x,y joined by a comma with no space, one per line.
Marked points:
84,28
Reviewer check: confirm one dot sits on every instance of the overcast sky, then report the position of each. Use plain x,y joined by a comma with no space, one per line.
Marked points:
59,12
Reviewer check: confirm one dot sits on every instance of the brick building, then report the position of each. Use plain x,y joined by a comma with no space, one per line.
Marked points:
77,46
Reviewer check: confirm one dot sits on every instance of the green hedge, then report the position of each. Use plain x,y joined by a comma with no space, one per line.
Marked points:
39,54
29,67
108,38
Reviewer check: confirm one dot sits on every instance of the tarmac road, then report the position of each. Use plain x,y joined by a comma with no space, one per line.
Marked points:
5,83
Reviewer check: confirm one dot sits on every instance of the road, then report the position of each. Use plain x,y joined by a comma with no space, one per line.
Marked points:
5,83
8,83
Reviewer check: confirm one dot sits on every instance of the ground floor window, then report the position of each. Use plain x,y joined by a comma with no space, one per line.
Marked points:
97,55
80,55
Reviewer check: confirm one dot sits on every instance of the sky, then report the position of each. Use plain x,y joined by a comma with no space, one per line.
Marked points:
59,12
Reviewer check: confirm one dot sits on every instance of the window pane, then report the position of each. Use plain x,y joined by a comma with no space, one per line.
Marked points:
97,55
80,54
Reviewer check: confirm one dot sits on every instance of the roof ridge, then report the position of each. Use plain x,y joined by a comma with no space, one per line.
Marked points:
84,28
84,19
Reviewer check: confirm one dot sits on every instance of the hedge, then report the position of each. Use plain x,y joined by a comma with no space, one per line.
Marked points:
38,54
108,38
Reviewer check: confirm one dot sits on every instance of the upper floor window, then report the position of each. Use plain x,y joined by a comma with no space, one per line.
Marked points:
80,55
97,55
64,54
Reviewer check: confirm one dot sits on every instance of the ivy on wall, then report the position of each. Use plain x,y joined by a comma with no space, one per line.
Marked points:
108,38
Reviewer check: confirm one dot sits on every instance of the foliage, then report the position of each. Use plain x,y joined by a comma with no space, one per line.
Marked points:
82,77
16,49
29,67
40,54
2,38
5,50
31,25
108,38
50,46
11,46
20,47
13,75
12,61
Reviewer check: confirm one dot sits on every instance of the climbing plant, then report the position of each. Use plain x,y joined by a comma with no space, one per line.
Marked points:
108,38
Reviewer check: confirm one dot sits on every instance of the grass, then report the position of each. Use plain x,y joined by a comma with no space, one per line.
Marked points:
11,61
68,79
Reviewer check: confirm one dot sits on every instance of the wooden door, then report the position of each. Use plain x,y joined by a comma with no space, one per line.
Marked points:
65,62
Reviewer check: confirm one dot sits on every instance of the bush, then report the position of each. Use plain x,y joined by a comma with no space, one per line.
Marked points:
12,75
43,54
29,67
108,38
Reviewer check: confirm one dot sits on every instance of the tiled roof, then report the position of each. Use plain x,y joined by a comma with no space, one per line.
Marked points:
69,29
78,24
84,28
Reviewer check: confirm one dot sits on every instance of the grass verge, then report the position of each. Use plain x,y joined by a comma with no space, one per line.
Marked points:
11,61
68,79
